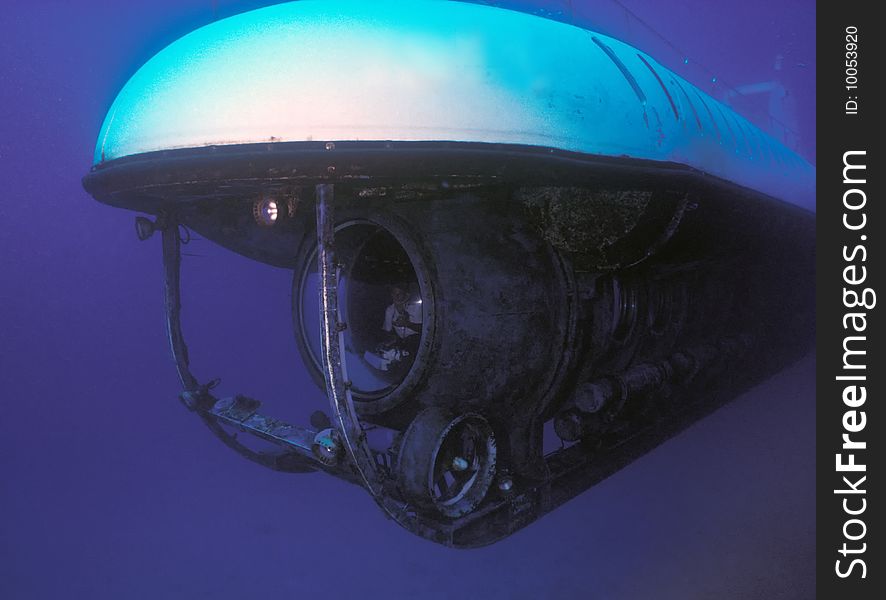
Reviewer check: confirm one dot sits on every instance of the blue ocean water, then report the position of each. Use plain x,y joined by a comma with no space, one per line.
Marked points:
112,490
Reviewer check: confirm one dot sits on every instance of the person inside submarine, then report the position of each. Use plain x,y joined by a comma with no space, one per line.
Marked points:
402,324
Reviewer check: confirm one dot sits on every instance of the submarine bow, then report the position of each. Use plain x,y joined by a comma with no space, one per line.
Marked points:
498,225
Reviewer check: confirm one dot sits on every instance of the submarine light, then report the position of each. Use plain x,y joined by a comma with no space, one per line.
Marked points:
265,211
144,228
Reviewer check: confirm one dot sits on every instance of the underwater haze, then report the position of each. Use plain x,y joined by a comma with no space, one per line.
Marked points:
113,490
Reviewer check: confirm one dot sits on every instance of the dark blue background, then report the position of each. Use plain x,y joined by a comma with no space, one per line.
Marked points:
110,489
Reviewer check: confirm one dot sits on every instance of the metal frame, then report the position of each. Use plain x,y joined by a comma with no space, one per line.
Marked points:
340,398
294,454
509,506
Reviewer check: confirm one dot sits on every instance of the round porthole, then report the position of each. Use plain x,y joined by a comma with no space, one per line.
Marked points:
380,300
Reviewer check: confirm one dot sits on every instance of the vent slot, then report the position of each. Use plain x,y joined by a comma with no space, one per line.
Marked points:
691,105
663,87
623,68
711,115
728,126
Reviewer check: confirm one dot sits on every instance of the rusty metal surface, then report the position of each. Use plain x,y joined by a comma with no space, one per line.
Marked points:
344,415
622,360
194,394
172,286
